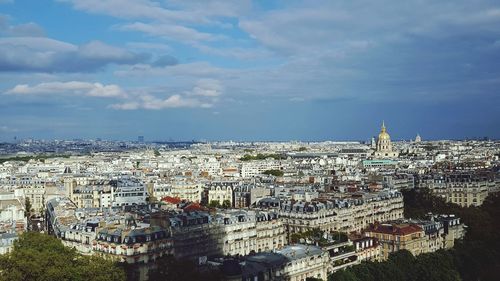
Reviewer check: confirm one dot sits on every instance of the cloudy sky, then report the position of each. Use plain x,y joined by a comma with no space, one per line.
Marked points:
249,70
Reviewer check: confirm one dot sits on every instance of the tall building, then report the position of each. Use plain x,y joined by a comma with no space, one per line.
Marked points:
384,145
418,138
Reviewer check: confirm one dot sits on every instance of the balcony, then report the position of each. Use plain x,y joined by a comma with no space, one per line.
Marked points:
342,255
344,262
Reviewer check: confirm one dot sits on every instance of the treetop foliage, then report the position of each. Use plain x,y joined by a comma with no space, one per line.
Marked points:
260,156
39,256
276,173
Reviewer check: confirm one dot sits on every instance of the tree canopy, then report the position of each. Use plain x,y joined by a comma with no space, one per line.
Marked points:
276,173
214,204
260,156
27,206
169,269
38,256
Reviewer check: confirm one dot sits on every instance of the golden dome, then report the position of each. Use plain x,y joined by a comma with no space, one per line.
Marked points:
383,133
384,136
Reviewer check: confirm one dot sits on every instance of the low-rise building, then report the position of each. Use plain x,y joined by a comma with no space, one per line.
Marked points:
394,237
129,192
294,263
220,192
7,242
417,236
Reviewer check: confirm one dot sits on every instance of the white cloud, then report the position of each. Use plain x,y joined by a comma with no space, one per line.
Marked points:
40,54
39,43
71,87
169,31
203,95
153,103
199,12
173,20
192,70
207,88
235,52
297,99
99,51
150,46
19,30
6,129
135,9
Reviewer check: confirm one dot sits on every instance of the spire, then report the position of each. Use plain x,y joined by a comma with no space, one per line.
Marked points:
383,126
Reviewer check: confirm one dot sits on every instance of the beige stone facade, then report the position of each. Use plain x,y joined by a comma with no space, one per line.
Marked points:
346,217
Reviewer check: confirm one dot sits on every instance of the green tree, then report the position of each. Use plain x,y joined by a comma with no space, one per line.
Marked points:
42,210
169,269
260,156
226,204
214,204
405,262
38,256
276,173
27,204
343,275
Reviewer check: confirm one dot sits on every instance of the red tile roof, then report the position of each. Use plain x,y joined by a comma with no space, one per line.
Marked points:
171,200
194,207
395,229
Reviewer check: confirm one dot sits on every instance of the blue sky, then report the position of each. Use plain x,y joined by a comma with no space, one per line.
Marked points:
249,70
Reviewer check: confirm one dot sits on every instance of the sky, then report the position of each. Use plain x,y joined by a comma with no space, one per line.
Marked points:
249,70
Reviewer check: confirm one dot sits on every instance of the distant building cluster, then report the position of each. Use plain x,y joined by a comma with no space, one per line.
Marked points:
256,210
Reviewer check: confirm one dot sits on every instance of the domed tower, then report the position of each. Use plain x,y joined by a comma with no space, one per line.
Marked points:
384,145
384,140
418,138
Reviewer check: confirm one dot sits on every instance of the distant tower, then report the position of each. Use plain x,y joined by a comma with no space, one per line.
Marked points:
140,138
384,145
373,143
418,138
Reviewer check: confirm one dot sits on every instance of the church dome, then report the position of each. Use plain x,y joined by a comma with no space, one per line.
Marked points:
384,136
383,133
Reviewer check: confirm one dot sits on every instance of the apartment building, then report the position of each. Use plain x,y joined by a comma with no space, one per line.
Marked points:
270,230
367,249
186,190
295,263
253,168
194,236
346,215
394,237
417,236
464,188
36,195
133,243
220,192
128,192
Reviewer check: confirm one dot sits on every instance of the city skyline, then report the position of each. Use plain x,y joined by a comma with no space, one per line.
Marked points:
248,70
